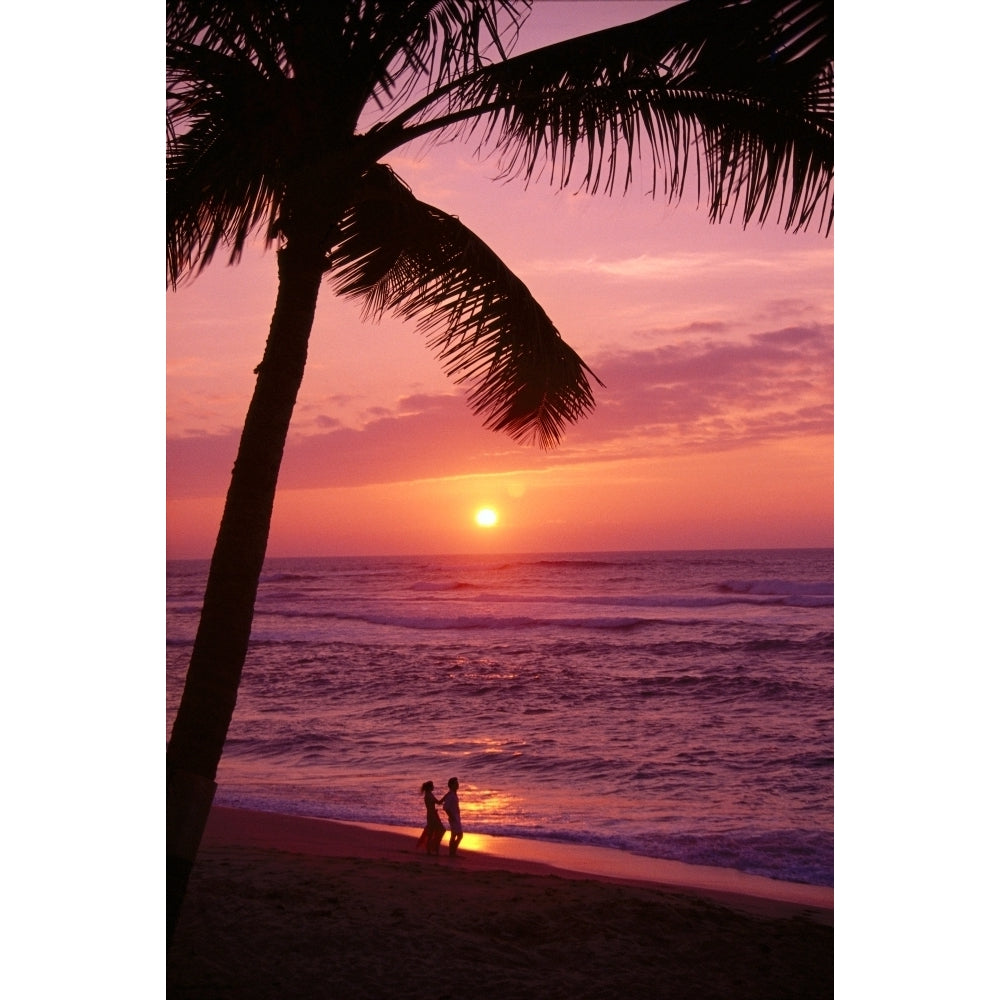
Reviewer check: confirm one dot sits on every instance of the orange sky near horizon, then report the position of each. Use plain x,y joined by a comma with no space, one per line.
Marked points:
715,429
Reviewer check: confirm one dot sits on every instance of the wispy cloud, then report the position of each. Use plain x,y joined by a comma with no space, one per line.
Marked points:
648,267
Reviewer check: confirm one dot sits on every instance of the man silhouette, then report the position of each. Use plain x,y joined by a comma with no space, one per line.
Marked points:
450,804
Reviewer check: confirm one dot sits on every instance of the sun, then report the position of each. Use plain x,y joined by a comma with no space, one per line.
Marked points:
486,517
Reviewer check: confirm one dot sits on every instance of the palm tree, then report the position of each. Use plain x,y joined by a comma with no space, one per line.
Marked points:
279,117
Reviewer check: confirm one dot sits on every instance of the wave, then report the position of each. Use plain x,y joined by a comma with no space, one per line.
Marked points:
787,588
652,602
496,622
450,619
535,610
723,688
569,563
727,598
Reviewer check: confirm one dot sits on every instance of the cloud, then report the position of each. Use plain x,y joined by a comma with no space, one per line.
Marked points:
717,394
653,267
696,393
422,437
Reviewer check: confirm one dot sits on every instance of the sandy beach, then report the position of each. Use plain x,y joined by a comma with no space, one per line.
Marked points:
284,906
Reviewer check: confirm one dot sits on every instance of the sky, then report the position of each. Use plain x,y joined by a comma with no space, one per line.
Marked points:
714,343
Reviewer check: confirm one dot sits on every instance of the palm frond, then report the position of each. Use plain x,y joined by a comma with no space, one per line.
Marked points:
438,42
402,256
737,93
220,188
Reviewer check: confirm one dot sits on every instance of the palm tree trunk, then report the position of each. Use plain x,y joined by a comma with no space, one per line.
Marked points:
220,646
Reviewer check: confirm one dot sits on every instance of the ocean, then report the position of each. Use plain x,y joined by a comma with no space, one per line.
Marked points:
674,705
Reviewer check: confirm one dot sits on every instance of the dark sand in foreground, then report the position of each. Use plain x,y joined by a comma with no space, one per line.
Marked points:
291,907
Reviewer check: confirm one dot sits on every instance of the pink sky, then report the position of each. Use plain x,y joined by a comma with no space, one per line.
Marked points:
715,344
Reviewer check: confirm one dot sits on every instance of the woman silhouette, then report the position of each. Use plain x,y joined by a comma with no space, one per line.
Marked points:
434,830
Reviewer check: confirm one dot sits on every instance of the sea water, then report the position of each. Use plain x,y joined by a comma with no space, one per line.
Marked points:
673,704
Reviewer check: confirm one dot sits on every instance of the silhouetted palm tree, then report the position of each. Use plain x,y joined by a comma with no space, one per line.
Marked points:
279,114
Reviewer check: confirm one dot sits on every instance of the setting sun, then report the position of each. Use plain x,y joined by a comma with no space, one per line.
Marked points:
486,517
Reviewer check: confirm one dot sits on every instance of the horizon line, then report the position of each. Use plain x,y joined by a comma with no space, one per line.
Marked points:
538,552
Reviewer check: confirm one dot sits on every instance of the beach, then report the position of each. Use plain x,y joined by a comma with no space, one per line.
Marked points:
283,906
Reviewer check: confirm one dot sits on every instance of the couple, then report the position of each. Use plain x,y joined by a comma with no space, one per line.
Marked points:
434,830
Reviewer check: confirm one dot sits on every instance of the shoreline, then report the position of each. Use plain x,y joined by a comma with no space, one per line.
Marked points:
321,837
